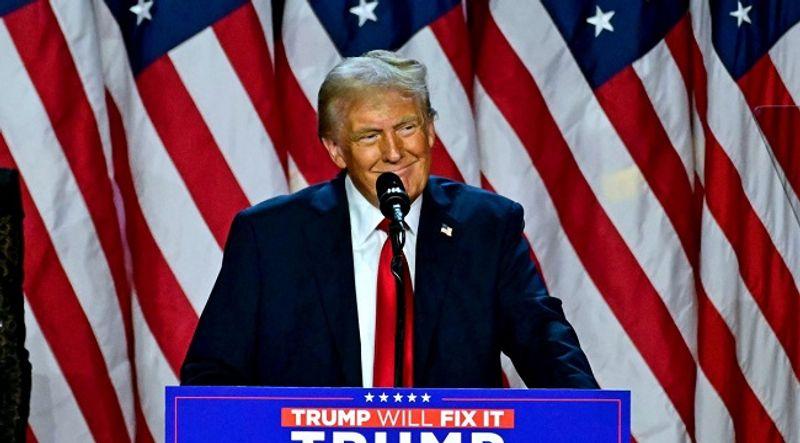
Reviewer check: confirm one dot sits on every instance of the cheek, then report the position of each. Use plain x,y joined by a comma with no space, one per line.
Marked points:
419,146
369,159
364,161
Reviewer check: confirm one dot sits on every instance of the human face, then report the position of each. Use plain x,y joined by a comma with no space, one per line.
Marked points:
383,131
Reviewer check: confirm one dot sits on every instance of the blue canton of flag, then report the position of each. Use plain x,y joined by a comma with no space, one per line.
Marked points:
171,23
7,6
743,31
395,23
620,31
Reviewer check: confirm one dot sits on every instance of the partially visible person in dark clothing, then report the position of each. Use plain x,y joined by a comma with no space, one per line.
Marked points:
15,369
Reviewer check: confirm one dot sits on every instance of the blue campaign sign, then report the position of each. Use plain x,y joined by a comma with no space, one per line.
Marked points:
355,415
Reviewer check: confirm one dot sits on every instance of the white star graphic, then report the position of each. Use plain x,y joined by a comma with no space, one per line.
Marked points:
142,11
383,397
601,20
398,398
742,14
365,11
412,398
368,397
426,398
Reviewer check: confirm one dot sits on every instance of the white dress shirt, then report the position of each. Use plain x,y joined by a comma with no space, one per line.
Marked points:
367,242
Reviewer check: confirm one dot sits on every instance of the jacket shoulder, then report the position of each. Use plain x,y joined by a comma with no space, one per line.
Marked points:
470,201
285,208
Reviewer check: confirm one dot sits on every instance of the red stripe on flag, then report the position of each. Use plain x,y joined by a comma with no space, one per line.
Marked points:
603,252
625,102
762,85
683,48
453,36
143,434
54,304
242,38
300,124
761,266
165,307
191,146
30,437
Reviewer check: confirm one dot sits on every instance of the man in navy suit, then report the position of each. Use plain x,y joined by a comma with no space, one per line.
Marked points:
294,303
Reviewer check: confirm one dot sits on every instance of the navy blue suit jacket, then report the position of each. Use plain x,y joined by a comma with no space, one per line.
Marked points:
283,309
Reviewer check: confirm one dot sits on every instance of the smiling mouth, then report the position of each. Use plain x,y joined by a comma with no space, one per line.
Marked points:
398,171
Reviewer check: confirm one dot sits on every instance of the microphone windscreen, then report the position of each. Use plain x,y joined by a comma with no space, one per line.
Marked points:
391,192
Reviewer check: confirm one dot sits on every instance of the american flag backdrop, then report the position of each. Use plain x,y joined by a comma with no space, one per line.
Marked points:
653,144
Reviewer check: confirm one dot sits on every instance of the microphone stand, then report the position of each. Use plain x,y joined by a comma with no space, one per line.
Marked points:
398,236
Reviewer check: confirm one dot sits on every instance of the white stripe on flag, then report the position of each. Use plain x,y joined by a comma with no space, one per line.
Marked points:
716,424
152,371
296,179
230,115
787,63
264,13
699,143
309,50
514,379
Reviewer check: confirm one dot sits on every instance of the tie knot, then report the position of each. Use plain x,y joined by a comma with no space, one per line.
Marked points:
384,225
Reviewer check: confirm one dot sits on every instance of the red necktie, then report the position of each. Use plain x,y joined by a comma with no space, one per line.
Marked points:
386,320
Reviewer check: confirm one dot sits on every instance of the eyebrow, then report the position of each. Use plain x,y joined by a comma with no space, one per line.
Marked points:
358,134
407,120
404,121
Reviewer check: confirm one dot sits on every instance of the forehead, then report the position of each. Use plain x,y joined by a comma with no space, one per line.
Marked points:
380,104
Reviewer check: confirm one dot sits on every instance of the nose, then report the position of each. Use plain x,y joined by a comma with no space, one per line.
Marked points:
392,149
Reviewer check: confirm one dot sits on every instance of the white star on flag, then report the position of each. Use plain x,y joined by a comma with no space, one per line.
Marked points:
742,14
368,397
601,20
383,397
426,398
142,11
365,11
412,398
398,397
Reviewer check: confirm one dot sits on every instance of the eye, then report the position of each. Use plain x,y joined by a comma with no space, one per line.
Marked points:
408,128
368,138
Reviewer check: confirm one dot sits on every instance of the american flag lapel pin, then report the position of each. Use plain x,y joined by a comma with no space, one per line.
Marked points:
446,230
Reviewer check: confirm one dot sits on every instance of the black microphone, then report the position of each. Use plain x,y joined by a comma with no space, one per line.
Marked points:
392,197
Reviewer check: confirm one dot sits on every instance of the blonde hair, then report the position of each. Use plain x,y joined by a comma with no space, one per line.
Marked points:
376,69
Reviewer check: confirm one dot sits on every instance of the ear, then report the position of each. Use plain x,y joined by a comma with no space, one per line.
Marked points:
430,132
335,151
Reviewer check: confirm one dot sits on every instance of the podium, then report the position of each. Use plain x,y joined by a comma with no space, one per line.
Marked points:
356,415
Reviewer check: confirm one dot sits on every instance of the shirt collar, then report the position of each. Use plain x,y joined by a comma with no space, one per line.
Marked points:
364,217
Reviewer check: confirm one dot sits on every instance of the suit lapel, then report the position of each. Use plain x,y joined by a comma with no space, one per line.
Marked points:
330,253
436,255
